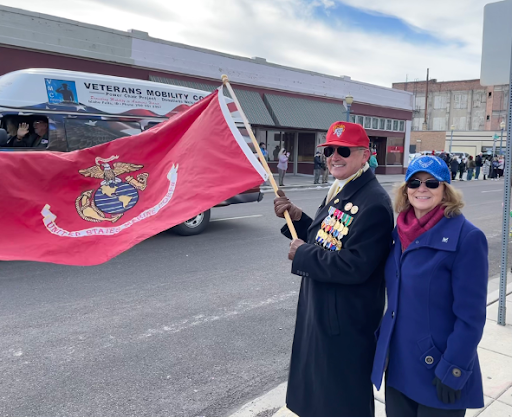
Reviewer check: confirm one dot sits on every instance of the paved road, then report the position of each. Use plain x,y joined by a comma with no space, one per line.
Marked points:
176,326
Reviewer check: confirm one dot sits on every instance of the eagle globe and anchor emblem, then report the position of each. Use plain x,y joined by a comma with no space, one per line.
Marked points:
114,196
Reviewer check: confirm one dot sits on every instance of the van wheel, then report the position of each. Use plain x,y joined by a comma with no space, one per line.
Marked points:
193,226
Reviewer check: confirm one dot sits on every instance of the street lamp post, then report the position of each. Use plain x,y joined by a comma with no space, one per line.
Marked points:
348,100
452,128
502,126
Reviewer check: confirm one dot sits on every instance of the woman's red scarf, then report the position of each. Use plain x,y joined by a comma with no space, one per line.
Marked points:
409,227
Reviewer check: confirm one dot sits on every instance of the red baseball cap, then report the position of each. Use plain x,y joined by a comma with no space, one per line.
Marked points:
346,134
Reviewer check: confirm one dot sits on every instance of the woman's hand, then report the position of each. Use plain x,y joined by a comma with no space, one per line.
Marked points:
445,393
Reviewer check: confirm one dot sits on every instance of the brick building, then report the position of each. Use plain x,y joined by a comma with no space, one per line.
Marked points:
464,104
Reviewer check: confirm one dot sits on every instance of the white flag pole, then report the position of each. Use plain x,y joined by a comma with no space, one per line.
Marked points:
289,222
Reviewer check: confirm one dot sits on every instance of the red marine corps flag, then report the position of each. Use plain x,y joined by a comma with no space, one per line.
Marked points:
86,207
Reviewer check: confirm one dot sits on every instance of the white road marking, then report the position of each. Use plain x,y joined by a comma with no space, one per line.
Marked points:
196,320
236,217
490,191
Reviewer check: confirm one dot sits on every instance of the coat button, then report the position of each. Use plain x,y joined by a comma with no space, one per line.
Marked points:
429,359
456,372
417,242
393,314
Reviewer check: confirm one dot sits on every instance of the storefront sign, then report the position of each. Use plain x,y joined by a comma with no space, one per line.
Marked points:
395,149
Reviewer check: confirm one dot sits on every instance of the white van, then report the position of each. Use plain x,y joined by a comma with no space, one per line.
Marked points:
83,110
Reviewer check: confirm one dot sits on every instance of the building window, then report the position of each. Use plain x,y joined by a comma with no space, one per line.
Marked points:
402,126
375,123
395,125
382,124
488,117
353,118
490,94
360,120
367,122
388,124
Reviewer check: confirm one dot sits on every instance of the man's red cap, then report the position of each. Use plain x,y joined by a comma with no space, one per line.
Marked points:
346,134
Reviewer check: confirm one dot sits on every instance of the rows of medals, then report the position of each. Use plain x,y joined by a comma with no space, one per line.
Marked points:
335,227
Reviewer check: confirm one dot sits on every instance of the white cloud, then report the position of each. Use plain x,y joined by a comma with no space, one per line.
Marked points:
286,32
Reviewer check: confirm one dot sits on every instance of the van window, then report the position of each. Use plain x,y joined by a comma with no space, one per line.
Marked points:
34,130
84,132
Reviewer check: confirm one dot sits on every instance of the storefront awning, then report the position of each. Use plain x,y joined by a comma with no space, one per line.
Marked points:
251,101
293,112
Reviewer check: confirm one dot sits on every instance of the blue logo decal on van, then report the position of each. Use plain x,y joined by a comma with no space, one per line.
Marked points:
61,91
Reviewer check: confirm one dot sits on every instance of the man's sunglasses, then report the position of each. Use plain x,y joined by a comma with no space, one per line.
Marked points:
430,183
342,151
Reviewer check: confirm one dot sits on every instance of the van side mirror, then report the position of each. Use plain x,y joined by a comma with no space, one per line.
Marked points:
3,137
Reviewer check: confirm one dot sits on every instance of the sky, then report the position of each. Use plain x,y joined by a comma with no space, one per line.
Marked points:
374,41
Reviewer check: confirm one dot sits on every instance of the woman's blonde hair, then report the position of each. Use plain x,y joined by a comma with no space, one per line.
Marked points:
452,200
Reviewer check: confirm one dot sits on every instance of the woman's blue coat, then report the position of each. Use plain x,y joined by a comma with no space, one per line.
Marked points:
437,295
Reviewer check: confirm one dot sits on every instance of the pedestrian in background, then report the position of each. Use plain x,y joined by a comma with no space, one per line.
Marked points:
282,165
486,168
436,278
264,151
454,166
471,167
494,169
501,165
317,167
325,170
462,168
373,162
479,163
340,257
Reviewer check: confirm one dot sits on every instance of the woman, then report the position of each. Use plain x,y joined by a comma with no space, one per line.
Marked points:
486,168
471,167
436,278
282,165
373,162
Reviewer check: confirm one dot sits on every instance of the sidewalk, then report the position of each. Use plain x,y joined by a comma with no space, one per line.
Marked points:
305,181
495,354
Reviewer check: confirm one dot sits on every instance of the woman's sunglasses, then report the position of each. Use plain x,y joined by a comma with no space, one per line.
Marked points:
430,183
342,151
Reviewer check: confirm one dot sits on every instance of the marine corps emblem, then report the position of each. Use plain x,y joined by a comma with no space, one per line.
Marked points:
114,196
338,129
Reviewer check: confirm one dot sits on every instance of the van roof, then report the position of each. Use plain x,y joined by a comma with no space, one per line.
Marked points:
62,90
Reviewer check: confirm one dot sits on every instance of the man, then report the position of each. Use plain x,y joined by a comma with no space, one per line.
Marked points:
454,166
325,171
317,167
38,139
340,255
479,163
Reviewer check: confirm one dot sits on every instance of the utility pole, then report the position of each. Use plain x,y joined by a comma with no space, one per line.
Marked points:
425,123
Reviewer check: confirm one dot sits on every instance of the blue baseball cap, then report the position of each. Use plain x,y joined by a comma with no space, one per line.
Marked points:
429,164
